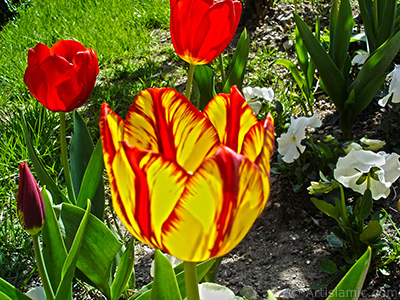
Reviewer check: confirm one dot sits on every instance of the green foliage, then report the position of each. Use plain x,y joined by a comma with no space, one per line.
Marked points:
349,96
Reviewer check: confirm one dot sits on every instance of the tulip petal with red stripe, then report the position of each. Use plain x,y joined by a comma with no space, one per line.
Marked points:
145,188
221,201
232,118
259,143
164,121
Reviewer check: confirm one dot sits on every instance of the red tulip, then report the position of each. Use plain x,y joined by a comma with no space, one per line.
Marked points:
202,29
61,77
30,204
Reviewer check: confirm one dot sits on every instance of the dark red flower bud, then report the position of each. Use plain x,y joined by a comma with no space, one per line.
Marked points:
61,77
30,203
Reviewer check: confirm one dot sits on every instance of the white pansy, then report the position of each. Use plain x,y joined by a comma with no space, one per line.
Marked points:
289,144
172,259
371,144
358,163
213,291
394,87
254,97
353,145
360,59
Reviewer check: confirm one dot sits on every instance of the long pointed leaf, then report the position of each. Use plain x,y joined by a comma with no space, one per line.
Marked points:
54,251
91,181
165,286
81,151
333,79
204,79
45,179
124,271
68,270
11,292
237,67
349,288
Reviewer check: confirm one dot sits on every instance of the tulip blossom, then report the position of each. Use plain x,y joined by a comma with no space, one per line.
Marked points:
362,169
61,77
30,204
255,96
289,144
394,87
188,183
202,29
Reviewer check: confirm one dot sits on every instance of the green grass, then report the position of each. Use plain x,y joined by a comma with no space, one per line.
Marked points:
124,34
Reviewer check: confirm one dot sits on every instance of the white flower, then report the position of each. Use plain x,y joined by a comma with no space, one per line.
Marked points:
352,145
254,97
36,293
289,144
371,144
394,87
359,59
382,169
172,259
213,291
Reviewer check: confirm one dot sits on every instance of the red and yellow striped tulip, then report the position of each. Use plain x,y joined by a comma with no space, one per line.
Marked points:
188,183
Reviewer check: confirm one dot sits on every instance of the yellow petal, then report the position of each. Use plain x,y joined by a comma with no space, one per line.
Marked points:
145,189
232,118
111,133
164,121
220,203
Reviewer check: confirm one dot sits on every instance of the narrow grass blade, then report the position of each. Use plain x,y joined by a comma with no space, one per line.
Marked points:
204,79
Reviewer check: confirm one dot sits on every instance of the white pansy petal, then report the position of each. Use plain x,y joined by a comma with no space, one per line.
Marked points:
267,94
314,121
372,144
213,291
396,94
391,167
354,146
379,190
383,101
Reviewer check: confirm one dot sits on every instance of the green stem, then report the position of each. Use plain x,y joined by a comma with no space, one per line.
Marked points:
64,158
344,209
221,66
42,271
191,283
190,82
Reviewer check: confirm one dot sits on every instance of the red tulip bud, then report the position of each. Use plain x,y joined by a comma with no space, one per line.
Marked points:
30,203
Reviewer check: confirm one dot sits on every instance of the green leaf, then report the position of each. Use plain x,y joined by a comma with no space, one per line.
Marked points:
271,295
326,208
237,66
328,266
81,151
387,18
68,270
202,269
124,271
45,179
99,246
204,79
8,291
165,286
340,37
92,180
331,76
293,70
377,64
371,232
54,251
363,206
349,288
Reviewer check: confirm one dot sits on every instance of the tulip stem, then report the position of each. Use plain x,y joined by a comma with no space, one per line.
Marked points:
190,82
221,66
191,282
42,271
64,158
